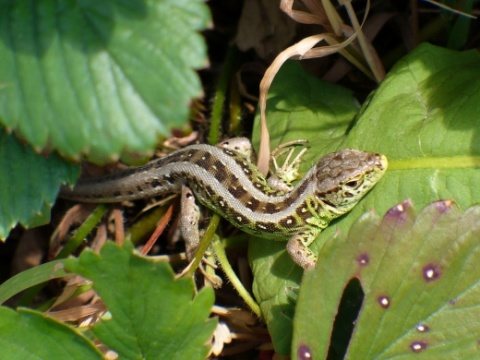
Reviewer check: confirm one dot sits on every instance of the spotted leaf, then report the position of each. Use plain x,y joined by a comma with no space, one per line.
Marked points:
419,288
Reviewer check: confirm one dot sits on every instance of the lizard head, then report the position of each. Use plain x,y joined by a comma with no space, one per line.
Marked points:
345,176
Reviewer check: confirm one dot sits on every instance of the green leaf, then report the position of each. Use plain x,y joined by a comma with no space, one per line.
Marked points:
105,78
420,284
425,120
423,117
29,184
458,33
31,277
27,334
153,315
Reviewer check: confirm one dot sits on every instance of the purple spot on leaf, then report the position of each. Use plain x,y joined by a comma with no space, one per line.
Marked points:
363,259
384,301
431,272
304,353
443,206
418,346
453,302
398,211
422,328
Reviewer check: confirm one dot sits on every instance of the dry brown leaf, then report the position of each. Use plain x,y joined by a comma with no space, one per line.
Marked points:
303,17
80,312
74,216
30,251
296,51
65,299
264,28
306,49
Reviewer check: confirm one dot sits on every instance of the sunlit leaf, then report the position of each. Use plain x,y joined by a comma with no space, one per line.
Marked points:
105,78
421,289
152,314
423,117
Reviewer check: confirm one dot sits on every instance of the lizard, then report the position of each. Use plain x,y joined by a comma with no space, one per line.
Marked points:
225,180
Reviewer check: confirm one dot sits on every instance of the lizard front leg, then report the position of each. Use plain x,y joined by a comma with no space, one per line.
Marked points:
299,251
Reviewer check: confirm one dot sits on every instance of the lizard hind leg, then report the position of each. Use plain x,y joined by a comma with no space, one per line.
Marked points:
189,218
